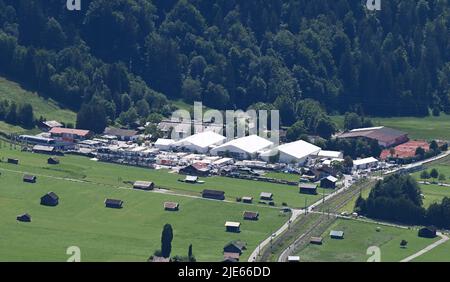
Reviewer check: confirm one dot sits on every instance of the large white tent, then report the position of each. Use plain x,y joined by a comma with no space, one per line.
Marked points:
200,142
243,148
294,152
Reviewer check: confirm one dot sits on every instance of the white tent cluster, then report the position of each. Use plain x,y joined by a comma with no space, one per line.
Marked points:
248,147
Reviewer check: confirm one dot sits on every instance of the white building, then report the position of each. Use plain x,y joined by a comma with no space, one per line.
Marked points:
200,142
330,154
164,144
365,163
243,148
295,152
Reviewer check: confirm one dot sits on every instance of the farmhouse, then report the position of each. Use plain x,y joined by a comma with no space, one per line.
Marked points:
24,217
113,203
50,199
365,163
295,152
308,188
231,226
144,185
386,137
266,196
316,240
427,232
213,194
200,142
249,215
236,247
122,134
329,182
29,178
243,148
337,234
48,125
52,161
196,169
171,206
69,135
164,144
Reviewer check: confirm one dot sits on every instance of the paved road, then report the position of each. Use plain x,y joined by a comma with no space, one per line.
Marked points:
444,239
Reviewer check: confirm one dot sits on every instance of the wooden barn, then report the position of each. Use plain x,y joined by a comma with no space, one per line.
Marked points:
266,196
113,203
52,161
235,247
427,232
328,182
230,257
250,215
144,185
337,234
24,217
316,240
171,206
50,199
213,194
308,188
247,200
13,161
234,227
29,178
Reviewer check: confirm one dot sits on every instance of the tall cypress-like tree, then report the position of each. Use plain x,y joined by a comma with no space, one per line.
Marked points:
166,240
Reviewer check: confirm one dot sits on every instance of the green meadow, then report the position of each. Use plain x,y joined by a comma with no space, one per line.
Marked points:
128,234
47,108
358,237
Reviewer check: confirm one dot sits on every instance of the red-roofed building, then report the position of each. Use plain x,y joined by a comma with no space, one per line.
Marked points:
405,150
69,134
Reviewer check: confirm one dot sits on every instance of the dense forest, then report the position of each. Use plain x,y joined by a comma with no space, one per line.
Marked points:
309,58
398,198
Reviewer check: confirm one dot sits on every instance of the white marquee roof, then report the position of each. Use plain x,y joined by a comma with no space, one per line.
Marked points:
250,144
203,139
299,149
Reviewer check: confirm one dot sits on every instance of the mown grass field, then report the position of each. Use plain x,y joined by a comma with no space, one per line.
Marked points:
129,234
116,175
427,128
42,107
438,254
358,237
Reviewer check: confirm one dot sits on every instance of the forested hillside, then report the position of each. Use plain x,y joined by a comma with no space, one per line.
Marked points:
120,59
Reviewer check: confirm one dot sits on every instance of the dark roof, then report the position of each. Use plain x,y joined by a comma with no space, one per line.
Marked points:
383,134
238,244
213,192
120,132
52,195
113,202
